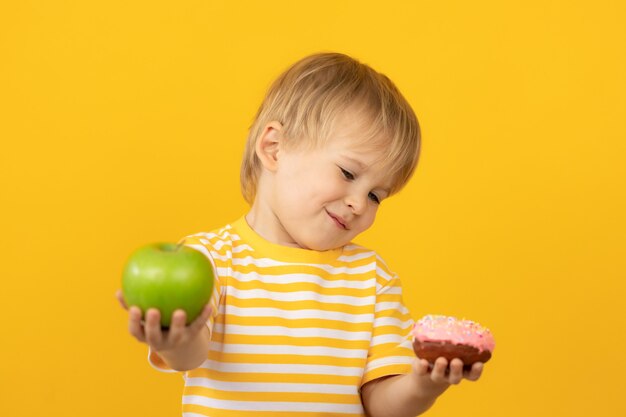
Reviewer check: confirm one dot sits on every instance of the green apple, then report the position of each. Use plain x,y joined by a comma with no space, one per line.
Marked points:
167,276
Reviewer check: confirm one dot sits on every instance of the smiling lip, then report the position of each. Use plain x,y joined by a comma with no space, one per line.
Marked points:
338,220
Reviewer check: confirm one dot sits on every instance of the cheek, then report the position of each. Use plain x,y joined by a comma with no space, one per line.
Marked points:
317,186
369,217
295,194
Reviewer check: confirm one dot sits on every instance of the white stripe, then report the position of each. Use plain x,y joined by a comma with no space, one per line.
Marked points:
392,321
296,314
295,296
242,247
200,248
383,274
391,305
273,405
268,262
355,257
222,233
219,244
391,291
388,338
352,246
271,386
222,258
382,261
288,350
290,332
389,360
229,254
282,368
298,279
206,237
335,270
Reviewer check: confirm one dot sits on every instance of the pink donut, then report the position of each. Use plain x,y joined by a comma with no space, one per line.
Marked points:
437,336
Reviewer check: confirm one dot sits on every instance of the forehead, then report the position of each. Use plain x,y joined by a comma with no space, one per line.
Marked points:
356,137
364,155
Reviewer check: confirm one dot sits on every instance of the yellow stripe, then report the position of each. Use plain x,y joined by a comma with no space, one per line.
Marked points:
385,371
393,313
285,340
236,413
300,323
298,305
389,298
300,269
277,377
286,359
273,396
382,330
303,286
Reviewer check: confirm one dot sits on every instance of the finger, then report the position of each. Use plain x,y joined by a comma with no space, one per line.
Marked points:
475,372
134,324
152,328
177,326
456,371
438,373
421,366
120,298
201,320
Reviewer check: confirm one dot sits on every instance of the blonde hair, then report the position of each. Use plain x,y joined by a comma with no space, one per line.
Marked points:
309,98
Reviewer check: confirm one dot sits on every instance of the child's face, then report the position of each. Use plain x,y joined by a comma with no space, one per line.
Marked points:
323,198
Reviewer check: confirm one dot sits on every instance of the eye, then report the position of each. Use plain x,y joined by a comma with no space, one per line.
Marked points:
374,198
347,175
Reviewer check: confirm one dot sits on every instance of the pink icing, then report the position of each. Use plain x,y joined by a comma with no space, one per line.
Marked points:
432,328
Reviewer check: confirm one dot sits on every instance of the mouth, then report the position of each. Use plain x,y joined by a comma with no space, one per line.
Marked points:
338,221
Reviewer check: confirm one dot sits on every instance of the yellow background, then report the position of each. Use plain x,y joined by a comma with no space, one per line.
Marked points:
123,122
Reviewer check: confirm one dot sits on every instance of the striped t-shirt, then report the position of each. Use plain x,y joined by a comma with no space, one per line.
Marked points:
294,332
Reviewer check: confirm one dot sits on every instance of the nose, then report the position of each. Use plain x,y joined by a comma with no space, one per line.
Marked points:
356,202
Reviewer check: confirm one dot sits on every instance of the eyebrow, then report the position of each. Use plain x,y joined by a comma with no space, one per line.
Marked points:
355,161
387,191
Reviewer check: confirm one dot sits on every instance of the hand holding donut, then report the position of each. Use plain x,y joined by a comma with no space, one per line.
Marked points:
448,350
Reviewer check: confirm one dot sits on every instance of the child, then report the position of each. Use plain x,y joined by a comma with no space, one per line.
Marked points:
302,321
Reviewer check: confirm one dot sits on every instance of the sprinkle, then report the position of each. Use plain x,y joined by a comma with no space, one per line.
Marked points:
447,328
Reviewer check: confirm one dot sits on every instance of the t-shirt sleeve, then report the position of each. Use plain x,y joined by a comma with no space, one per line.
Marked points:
391,350
202,245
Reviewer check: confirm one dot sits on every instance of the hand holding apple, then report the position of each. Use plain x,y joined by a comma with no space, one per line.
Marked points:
179,337
168,277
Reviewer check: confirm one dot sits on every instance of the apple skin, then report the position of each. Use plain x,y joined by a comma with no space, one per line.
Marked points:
167,276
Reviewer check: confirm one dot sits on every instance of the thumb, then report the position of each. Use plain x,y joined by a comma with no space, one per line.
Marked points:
120,299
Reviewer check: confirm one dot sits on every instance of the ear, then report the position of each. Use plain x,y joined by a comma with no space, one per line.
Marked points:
266,147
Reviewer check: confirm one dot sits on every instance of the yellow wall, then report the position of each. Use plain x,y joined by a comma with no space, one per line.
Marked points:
122,123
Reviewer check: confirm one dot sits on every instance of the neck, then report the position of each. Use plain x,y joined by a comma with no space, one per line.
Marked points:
265,223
